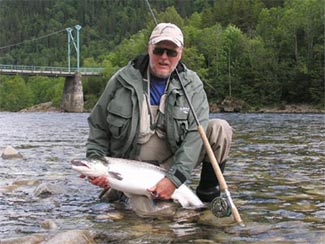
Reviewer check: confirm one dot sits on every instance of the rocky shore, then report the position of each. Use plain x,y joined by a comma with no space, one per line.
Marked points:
291,109
230,106
42,107
233,105
294,108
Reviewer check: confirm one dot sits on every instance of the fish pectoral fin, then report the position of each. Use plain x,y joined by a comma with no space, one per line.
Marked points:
115,175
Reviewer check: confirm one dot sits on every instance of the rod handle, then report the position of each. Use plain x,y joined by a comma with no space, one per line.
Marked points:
217,170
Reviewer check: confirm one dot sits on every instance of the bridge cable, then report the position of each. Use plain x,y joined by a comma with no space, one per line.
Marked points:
35,39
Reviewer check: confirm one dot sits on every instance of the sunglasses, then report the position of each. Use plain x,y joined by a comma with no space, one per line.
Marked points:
160,51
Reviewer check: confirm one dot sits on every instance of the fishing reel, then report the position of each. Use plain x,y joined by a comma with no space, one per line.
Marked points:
220,207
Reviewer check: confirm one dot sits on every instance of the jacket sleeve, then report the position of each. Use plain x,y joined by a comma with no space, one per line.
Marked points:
186,156
98,138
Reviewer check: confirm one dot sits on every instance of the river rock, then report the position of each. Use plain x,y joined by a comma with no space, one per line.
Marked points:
18,184
42,107
49,225
10,153
231,104
46,189
208,218
72,237
31,239
110,216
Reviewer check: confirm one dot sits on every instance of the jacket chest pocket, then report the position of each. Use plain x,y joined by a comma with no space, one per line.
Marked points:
180,116
119,117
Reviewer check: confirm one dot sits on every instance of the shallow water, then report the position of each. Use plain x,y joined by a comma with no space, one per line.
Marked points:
275,176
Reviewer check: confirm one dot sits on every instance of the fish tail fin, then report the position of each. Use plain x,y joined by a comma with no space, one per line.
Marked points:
186,197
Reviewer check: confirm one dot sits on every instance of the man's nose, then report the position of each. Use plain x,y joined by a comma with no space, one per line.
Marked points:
164,55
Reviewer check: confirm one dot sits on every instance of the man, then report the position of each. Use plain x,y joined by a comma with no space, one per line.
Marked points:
144,115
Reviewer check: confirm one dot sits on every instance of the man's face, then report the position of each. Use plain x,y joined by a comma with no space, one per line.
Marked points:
164,57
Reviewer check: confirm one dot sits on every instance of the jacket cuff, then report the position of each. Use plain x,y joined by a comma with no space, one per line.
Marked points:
94,155
177,177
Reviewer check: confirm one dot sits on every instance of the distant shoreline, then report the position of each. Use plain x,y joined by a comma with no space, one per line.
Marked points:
292,108
214,108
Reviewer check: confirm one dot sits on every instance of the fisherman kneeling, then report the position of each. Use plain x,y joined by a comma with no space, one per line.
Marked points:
144,115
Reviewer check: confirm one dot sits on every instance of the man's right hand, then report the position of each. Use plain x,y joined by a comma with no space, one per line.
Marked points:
100,181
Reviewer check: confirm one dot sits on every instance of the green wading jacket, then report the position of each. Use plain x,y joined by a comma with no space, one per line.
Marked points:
114,121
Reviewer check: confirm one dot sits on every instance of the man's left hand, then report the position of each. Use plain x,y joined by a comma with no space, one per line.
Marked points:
164,189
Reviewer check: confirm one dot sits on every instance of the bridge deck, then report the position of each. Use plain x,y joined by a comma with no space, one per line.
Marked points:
48,71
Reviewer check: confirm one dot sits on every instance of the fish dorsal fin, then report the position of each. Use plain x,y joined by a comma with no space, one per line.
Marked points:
115,175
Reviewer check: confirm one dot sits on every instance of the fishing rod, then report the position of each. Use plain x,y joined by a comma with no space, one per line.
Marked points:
151,12
219,206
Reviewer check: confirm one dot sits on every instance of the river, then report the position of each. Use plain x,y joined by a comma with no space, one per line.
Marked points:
275,175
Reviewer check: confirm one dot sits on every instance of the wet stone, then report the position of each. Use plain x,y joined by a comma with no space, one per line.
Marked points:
31,239
110,216
11,153
208,218
45,190
72,237
49,224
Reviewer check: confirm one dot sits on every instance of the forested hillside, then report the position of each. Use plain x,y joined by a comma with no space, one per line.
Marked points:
264,52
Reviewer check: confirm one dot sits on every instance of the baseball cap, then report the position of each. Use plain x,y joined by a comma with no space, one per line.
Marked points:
167,32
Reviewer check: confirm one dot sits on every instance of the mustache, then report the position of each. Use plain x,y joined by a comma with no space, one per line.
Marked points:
164,62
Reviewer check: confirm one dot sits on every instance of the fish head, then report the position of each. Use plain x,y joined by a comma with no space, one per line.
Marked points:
90,167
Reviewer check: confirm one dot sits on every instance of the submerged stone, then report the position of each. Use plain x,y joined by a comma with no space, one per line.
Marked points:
72,237
18,184
110,216
31,239
208,218
45,190
49,224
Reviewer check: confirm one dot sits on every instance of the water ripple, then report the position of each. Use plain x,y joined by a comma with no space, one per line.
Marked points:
275,174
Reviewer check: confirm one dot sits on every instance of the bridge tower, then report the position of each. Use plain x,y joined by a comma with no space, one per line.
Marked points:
72,99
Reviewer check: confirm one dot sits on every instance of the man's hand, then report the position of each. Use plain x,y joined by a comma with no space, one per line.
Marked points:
164,189
100,181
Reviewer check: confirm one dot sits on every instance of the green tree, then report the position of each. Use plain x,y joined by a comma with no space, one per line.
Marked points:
262,51
295,34
14,94
260,85
241,13
232,42
45,89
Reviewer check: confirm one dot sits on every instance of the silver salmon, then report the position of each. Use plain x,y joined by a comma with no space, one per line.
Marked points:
133,178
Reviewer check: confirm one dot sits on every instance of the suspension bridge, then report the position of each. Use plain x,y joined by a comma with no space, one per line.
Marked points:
72,98
47,70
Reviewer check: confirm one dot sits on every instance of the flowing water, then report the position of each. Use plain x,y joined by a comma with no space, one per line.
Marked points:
275,175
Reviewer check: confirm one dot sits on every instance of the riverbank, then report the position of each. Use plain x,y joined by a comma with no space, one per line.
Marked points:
293,108
214,108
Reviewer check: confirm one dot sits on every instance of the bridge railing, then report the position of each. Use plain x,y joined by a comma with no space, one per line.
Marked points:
49,70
